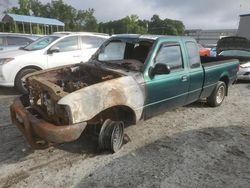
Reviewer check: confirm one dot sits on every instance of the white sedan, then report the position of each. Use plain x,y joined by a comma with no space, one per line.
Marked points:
47,52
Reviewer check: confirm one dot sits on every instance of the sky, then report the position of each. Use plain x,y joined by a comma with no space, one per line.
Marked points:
195,14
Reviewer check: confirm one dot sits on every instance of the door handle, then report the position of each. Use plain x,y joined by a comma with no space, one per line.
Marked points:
1,48
184,78
76,56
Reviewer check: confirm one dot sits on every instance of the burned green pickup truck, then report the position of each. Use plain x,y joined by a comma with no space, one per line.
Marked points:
130,78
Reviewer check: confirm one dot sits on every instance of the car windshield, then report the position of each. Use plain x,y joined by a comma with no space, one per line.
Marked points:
129,53
41,43
235,53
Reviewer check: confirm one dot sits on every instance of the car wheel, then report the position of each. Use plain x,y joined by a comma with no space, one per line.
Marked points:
111,135
20,83
218,95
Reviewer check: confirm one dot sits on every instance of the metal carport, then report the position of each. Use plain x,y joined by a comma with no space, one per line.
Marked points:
46,23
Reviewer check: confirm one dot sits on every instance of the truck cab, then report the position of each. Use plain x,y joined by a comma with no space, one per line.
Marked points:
182,84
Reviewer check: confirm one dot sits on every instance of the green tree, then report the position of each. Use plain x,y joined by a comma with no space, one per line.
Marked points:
24,7
166,26
129,24
81,20
86,20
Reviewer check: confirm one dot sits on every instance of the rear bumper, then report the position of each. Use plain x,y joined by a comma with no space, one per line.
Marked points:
5,84
6,80
243,74
34,128
243,77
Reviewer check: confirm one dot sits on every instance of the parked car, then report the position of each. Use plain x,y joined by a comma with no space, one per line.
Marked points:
47,52
244,58
237,48
13,41
203,51
130,78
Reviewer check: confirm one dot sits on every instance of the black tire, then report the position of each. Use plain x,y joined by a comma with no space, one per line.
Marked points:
111,136
218,95
20,86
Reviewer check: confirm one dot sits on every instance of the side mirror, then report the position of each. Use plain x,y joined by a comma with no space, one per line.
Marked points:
53,49
159,69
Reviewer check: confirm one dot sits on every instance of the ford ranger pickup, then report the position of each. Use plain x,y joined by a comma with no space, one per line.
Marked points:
130,78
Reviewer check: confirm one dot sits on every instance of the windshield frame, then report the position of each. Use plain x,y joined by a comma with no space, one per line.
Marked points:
108,63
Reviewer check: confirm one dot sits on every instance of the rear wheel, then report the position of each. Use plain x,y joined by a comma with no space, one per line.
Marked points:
111,135
19,82
218,95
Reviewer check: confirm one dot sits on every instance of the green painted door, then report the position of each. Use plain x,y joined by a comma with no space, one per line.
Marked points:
167,91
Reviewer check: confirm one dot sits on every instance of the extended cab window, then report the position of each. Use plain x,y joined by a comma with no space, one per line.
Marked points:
171,55
193,54
68,44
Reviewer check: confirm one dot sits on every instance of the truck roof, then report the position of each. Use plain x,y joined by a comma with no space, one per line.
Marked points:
149,37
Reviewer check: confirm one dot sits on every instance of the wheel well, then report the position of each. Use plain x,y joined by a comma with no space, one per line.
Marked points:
28,67
225,79
117,113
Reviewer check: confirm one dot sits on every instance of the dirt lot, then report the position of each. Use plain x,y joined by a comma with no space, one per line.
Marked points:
192,146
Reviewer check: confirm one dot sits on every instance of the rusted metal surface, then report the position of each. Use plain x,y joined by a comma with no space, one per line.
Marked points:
86,103
48,87
32,127
66,99
85,90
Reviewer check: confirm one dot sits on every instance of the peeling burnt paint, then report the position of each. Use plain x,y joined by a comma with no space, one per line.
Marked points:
77,95
34,129
90,101
58,113
47,88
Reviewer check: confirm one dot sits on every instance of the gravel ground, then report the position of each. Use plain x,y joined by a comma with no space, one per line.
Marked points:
192,146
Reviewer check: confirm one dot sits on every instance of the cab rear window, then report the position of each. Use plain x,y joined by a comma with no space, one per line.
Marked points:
193,54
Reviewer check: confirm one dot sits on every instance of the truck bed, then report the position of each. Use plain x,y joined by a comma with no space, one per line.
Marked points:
211,61
216,68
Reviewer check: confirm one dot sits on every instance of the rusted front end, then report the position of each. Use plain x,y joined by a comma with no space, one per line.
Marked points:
38,132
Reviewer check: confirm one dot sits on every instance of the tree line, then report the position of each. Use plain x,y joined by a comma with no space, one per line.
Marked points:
84,20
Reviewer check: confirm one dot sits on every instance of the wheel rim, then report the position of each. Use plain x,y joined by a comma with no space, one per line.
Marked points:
220,94
117,136
111,135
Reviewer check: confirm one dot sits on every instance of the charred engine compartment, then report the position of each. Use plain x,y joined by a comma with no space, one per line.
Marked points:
74,78
48,87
